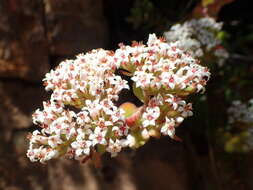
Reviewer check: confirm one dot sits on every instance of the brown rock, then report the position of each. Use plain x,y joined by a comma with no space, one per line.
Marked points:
75,26
18,102
160,164
23,43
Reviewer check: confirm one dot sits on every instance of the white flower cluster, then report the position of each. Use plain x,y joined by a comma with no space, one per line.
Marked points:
89,76
241,112
87,83
81,118
198,37
240,116
164,114
162,68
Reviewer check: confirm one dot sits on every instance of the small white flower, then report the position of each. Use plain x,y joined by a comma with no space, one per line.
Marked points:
131,142
151,39
82,147
169,127
54,141
114,147
98,137
145,134
150,115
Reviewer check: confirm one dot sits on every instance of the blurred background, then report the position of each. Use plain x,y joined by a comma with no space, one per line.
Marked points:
216,154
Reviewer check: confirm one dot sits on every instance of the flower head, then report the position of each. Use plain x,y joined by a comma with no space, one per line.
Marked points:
81,117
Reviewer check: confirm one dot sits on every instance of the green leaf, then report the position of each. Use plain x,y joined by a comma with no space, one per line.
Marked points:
207,2
101,148
138,92
222,35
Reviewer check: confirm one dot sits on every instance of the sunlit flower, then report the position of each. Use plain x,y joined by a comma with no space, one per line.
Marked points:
82,118
169,127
